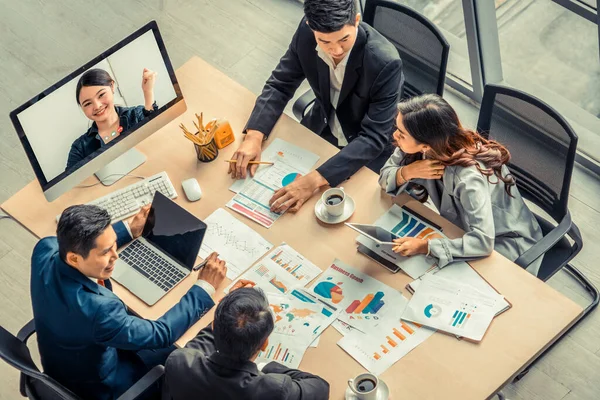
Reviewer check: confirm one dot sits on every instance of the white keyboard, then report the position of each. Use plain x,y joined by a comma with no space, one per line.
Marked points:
124,203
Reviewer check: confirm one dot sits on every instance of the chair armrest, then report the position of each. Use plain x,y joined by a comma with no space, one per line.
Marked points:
140,387
26,331
301,105
546,243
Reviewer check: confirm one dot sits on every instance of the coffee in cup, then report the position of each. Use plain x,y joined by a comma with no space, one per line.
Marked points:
334,200
364,386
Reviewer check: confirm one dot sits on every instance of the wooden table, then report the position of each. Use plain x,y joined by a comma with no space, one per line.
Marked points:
440,368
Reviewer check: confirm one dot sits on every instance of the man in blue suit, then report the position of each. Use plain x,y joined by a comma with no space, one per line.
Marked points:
87,339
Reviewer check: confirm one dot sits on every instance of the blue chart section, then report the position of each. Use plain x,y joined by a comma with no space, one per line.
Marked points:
458,318
289,178
417,230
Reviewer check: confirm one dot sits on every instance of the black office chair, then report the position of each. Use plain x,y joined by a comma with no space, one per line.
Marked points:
542,146
422,47
36,385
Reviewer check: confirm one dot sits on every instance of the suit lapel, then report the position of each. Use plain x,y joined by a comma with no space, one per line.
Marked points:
354,64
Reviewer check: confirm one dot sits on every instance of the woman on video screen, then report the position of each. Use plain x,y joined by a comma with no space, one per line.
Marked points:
95,95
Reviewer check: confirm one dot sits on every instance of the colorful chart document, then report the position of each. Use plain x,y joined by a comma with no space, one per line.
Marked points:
403,223
280,271
463,273
452,307
280,150
236,243
253,199
362,299
380,348
298,323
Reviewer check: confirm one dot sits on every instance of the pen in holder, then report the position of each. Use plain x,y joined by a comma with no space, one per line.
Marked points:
204,140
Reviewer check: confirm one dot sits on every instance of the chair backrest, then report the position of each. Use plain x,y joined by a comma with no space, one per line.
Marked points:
16,354
541,143
422,47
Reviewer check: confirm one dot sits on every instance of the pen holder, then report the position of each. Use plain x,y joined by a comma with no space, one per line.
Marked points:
207,152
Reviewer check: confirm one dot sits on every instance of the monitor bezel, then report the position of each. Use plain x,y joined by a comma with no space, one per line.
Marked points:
48,185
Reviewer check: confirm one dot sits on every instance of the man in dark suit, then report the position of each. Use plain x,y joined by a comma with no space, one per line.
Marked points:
218,364
87,340
356,75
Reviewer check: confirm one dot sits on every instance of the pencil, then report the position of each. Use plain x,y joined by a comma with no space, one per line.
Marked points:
252,162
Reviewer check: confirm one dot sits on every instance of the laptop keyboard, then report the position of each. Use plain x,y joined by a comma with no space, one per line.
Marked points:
150,264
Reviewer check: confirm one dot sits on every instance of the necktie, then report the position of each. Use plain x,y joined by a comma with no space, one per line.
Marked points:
101,282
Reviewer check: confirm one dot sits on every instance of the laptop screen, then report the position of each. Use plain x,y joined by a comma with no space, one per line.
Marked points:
174,230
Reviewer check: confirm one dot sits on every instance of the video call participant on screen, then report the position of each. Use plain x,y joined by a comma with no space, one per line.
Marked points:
87,339
466,178
218,364
356,75
95,95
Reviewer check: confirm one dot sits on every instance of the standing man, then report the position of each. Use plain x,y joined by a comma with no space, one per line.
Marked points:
87,339
218,364
356,75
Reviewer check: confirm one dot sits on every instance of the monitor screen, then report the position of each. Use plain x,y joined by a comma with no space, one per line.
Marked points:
97,107
174,230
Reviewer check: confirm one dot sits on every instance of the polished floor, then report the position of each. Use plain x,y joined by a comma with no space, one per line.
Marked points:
41,41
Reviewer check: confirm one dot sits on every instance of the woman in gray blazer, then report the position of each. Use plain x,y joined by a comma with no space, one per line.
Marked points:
466,178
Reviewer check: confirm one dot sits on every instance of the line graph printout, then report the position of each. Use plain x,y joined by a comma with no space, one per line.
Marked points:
237,244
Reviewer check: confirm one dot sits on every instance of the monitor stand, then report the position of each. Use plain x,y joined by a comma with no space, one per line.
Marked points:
120,167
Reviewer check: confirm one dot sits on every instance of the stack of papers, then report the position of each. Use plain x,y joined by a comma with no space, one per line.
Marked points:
236,243
452,307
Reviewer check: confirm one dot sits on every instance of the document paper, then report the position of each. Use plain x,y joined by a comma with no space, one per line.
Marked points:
452,307
237,244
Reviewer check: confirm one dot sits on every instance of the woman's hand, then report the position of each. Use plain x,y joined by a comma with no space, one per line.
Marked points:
148,80
423,169
410,246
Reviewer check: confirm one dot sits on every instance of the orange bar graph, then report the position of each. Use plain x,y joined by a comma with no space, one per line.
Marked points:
277,351
407,328
417,325
391,342
385,350
376,356
364,303
424,233
399,335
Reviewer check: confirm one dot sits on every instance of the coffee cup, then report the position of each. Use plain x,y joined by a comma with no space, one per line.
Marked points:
334,201
364,386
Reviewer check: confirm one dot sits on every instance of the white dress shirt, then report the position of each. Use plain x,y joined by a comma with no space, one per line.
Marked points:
336,79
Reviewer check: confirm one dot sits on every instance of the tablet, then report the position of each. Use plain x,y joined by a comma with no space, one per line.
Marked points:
376,233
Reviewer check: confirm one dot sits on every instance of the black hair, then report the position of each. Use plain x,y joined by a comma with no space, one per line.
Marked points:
243,321
93,77
328,16
79,227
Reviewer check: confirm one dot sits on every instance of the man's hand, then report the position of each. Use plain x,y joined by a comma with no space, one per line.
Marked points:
424,169
214,271
410,246
139,220
294,195
148,80
249,150
242,283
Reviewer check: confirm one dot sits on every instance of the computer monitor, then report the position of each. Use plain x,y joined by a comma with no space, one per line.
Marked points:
89,121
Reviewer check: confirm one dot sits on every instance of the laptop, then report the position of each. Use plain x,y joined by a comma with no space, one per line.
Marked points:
164,255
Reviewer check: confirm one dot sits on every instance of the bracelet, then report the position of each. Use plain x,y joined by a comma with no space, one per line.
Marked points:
402,176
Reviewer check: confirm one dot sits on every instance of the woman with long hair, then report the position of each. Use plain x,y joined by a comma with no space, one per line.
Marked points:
466,178
95,95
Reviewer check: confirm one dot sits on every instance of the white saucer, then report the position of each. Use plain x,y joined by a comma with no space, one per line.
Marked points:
324,216
383,393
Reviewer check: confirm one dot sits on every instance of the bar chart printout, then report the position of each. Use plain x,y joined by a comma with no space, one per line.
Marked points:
288,355
379,348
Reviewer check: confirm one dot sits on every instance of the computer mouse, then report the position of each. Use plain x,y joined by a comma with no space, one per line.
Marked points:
192,190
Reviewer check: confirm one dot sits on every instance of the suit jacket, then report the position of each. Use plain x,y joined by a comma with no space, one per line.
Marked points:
367,105
199,372
490,217
86,338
